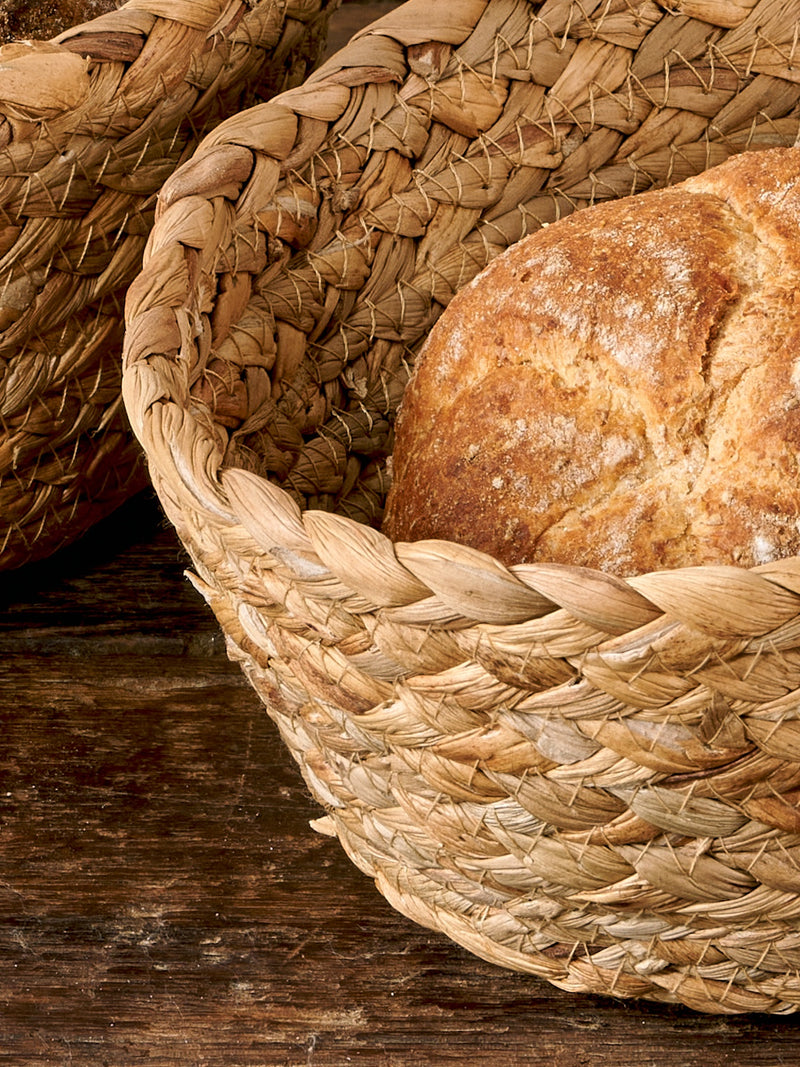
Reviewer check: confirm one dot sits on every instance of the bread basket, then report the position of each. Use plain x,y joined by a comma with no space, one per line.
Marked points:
91,124
591,780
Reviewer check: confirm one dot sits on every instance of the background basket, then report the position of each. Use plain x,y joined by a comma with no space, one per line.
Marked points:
592,780
90,126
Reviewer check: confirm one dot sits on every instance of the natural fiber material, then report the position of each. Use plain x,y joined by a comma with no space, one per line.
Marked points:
593,780
90,126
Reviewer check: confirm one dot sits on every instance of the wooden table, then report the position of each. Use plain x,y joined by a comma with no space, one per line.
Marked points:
163,900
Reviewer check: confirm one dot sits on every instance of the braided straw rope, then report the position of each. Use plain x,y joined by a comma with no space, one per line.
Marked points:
90,126
593,780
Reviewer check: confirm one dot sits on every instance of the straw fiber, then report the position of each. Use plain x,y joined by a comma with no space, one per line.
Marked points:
593,780
91,123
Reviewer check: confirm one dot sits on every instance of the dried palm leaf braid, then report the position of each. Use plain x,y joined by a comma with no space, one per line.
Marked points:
91,123
593,780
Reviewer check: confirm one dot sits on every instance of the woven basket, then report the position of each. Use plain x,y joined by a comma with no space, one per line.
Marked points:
592,780
90,126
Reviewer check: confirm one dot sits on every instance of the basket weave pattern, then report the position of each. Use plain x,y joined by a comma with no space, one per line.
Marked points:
592,780
90,126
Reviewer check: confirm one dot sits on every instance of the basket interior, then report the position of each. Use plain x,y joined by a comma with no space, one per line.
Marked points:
366,199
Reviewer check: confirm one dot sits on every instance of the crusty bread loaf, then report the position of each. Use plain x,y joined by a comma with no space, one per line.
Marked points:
40,20
620,390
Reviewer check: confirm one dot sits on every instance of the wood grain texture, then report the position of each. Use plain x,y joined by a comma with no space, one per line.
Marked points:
163,900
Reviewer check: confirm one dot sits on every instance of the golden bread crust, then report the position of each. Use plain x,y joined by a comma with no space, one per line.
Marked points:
620,390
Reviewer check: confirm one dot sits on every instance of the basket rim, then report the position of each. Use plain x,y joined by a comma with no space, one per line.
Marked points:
91,121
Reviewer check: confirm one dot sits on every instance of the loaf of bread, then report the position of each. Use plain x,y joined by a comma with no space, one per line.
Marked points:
621,389
40,20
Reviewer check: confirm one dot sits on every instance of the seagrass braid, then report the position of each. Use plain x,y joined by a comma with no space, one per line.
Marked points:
590,779
90,126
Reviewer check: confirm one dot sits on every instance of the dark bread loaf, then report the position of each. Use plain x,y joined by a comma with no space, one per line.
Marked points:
41,20
620,390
